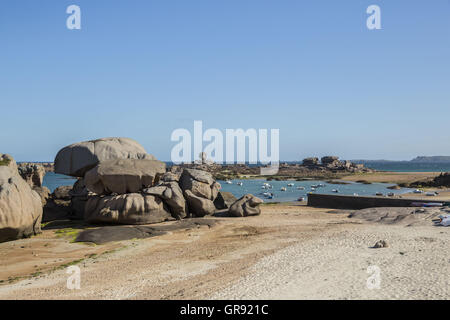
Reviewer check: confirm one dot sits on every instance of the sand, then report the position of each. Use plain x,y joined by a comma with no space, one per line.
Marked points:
289,252
392,177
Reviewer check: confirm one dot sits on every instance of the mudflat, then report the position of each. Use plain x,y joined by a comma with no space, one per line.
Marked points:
290,251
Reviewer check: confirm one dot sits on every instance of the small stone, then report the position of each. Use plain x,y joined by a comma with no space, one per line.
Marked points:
381,244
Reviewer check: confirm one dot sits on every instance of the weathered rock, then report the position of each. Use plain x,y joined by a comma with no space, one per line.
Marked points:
62,193
224,200
311,161
75,160
200,183
79,196
20,207
248,205
132,208
172,195
8,161
33,174
381,244
198,206
329,159
79,189
170,177
123,176
44,194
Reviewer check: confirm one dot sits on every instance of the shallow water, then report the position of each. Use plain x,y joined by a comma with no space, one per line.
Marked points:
292,193
53,180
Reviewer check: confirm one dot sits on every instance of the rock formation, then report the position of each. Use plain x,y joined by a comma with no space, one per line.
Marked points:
123,176
200,191
20,206
248,205
75,160
33,174
224,200
131,208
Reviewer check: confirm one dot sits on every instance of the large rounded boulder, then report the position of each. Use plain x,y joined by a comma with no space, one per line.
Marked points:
75,160
132,208
123,176
20,207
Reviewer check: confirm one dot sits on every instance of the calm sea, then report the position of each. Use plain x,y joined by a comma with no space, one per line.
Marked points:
53,180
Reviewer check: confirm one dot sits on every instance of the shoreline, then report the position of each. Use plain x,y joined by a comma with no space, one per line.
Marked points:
288,252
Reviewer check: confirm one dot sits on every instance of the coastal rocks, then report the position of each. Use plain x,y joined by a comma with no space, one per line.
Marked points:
123,176
248,205
79,196
172,195
7,161
198,206
132,208
224,200
33,174
76,159
381,244
311,161
20,206
200,190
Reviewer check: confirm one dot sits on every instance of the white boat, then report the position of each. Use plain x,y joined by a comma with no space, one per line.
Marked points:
418,191
240,184
335,191
300,188
283,189
290,185
228,182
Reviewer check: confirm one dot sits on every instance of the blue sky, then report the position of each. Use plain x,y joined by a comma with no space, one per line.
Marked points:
312,69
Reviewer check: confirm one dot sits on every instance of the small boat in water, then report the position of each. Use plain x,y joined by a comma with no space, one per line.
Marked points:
380,194
301,199
290,185
283,189
228,182
240,184
335,191
300,188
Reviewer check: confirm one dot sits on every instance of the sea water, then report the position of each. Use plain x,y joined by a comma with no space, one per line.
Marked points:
292,193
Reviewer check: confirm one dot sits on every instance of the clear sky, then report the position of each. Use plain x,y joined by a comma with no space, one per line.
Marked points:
312,69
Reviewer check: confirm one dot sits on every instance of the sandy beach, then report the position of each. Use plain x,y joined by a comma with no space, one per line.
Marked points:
288,252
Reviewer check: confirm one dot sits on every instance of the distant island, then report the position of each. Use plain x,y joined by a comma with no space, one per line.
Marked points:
420,159
436,159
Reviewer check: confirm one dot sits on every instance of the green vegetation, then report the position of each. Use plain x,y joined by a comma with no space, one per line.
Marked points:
68,233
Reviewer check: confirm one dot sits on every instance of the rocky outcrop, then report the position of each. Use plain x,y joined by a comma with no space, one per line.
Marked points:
8,161
79,196
172,195
123,176
248,205
200,191
75,160
224,200
310,161
131,208
198,206
20,206
33,174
